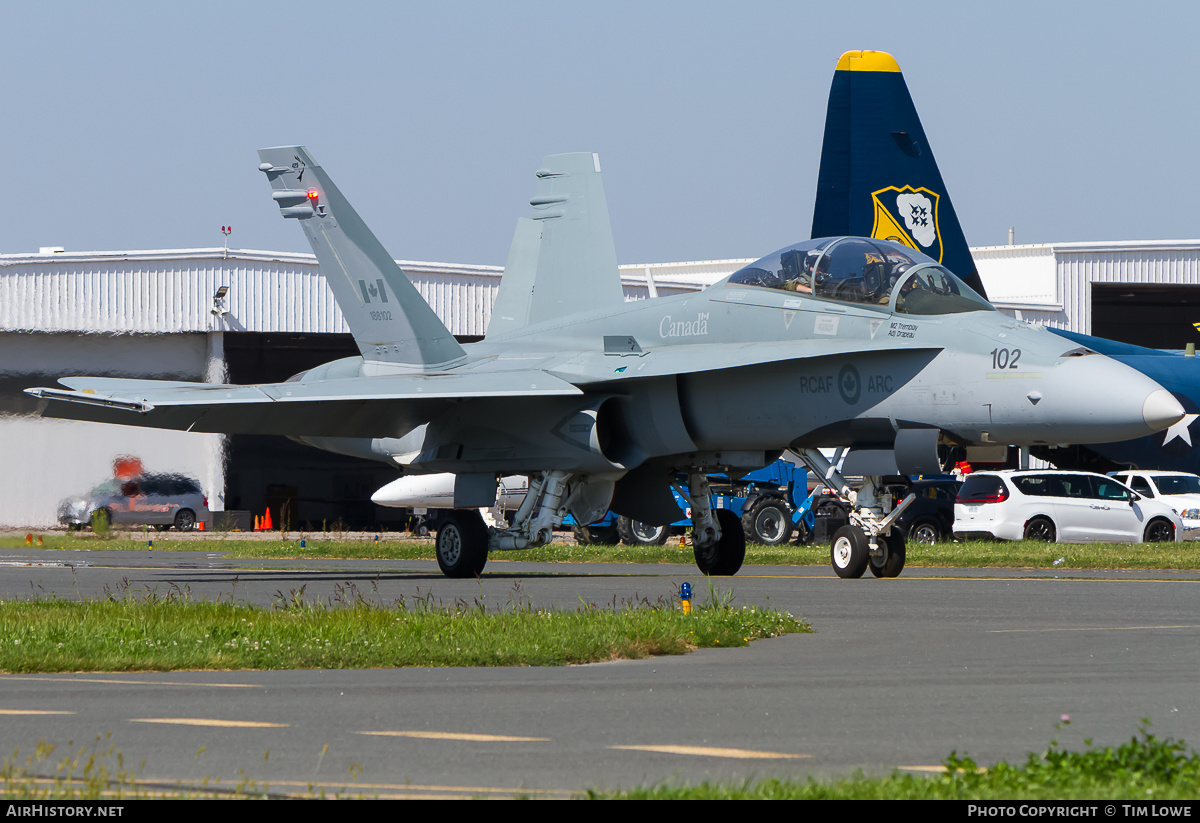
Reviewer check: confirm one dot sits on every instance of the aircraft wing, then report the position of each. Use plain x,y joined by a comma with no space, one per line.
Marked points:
382,406
598,367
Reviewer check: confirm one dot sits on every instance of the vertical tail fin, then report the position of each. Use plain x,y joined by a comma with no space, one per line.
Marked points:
878,177
389,319
562,258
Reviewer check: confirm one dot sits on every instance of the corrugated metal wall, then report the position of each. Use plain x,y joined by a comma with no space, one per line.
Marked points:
172,291
1080,267
1052,283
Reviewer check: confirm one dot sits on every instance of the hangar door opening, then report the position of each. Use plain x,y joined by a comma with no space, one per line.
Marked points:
1151,315
317,487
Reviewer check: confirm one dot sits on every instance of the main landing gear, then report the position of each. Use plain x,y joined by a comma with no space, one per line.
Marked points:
464,540
868,541
718,541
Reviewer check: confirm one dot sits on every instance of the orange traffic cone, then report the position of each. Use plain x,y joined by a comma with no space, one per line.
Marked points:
257,523
266,521
200,525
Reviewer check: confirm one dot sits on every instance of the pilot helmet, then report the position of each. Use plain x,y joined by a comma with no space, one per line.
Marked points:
811,259
898,272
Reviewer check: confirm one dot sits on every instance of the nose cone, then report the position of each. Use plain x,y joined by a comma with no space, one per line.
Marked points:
1161,410
1099,400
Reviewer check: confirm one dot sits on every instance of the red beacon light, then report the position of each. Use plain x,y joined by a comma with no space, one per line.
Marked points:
312,194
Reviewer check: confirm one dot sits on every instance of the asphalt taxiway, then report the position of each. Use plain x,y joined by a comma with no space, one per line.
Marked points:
898,674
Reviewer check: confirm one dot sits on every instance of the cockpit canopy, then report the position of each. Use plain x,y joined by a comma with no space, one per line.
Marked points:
864,271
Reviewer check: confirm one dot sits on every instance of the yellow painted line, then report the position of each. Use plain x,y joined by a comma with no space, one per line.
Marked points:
448,791
401,795
208,721
112,681
31,711
1090,629
474,738
710,751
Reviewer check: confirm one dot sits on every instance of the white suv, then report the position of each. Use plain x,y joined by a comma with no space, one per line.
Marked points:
1179,490
1064,507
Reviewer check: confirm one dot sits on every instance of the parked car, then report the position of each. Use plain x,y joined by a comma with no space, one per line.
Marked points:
930,518
1179,490
1059,506
160,500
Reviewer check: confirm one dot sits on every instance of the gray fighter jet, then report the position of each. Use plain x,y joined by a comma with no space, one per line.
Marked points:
855,343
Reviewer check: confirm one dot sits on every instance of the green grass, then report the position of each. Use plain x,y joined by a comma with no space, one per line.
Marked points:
1146,768
967,554
176,633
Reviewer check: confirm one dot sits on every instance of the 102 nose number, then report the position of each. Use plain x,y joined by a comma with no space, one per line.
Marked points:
1005,358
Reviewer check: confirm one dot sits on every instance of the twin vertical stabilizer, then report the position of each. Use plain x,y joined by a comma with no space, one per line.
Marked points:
389,319
562,259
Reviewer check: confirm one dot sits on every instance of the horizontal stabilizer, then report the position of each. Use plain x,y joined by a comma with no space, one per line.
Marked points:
383,406
878,177
389,319
562,258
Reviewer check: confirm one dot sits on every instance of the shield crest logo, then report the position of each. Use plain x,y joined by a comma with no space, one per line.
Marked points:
908,216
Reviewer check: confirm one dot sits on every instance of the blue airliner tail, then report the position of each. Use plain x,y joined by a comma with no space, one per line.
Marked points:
878,177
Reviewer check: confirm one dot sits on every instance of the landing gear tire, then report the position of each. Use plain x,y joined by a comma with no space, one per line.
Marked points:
637,533
462,543
725,558
850,552
1040,529
1159,531
596,535
768,522
925,531
893,560
185,520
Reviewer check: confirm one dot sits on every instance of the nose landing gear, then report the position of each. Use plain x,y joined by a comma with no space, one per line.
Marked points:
868,541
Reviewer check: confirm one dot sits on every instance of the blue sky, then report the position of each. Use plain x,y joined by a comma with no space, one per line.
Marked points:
134,125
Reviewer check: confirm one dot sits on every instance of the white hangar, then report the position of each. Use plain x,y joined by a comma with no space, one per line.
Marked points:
158,314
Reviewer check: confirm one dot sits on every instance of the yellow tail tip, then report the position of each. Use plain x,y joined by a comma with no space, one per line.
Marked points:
867,61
